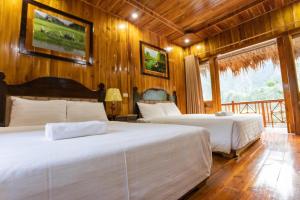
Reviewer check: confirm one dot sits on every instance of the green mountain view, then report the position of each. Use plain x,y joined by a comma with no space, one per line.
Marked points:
252,85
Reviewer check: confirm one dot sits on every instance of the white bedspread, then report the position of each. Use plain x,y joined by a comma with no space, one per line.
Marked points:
133,161
226,132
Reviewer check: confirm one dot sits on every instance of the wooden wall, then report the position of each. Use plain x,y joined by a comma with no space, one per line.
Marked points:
267,26
116,53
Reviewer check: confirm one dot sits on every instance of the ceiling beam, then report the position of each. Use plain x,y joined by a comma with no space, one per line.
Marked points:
155,15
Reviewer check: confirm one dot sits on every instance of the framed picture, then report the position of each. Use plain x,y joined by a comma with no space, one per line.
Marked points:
51,33
154,61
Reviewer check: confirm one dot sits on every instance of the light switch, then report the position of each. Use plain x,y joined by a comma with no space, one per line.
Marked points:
125,95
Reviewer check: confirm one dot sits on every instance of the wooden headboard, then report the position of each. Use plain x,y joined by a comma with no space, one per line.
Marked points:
151,95
52,87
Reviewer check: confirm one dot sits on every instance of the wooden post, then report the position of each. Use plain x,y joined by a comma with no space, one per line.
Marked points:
3,92
289,79
233,109
263,113
215,79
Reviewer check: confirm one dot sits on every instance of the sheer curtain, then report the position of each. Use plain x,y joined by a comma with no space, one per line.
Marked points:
195,103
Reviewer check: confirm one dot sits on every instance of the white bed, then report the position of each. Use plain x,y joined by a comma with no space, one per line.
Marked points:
131,161
226,133
117,161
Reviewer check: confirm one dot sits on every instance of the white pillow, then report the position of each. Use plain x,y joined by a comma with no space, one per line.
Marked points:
26,112
170,109
80,111
149,111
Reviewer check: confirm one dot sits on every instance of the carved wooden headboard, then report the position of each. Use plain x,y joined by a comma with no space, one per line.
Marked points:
52,87
152,95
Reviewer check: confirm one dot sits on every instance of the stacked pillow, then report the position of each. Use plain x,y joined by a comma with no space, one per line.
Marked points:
157,110
26,112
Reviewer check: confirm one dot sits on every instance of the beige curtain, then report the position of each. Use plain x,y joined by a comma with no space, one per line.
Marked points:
195,103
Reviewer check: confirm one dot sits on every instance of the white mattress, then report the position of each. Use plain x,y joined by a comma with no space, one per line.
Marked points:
227,133
133,161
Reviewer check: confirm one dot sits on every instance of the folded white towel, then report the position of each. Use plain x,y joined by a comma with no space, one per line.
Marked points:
223,113
59,131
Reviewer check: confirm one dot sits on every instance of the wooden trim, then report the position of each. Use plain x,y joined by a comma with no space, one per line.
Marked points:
247,49
290,84
24,50
47,87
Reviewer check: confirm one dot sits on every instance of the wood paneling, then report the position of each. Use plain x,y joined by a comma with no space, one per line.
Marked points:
264,27
196,19
116,52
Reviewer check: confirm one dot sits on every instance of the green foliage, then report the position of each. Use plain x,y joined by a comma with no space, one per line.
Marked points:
157,64
251,85
59,35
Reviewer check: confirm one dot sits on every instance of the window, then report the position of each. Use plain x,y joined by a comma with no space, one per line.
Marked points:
206,81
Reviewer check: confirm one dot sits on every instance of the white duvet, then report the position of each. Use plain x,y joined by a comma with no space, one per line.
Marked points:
132,161
227,132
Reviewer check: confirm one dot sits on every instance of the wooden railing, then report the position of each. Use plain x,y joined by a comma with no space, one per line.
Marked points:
273,111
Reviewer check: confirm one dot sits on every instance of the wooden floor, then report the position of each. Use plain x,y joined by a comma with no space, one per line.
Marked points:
270,169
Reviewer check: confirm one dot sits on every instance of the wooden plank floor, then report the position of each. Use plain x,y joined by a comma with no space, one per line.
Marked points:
270,169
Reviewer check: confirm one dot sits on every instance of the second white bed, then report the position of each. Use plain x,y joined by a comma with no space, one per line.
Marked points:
227,133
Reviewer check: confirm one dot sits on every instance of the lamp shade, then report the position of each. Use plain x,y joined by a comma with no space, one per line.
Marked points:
113,94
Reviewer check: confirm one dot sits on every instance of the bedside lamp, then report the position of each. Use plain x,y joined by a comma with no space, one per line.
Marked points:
113,95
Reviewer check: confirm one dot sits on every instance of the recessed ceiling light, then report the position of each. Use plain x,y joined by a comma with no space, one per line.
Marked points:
168,49
134,15
121,26
186,40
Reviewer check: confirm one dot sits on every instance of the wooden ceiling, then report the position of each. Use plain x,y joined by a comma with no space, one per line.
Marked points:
192,19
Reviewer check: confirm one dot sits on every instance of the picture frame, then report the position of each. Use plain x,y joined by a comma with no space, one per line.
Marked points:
154,61
51,33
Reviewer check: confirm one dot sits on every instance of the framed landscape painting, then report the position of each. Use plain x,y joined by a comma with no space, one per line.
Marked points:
154,60
51,33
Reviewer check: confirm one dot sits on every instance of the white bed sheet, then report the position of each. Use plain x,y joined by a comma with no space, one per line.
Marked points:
227,132
133,161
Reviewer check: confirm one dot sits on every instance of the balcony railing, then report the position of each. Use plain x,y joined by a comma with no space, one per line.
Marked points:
273,111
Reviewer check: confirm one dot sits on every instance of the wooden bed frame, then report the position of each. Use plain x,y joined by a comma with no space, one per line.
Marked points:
154,95
51,87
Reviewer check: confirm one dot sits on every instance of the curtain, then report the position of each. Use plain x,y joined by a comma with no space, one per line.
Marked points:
195,103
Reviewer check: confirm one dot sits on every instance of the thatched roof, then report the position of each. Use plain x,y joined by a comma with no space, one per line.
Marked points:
296,42
253,59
